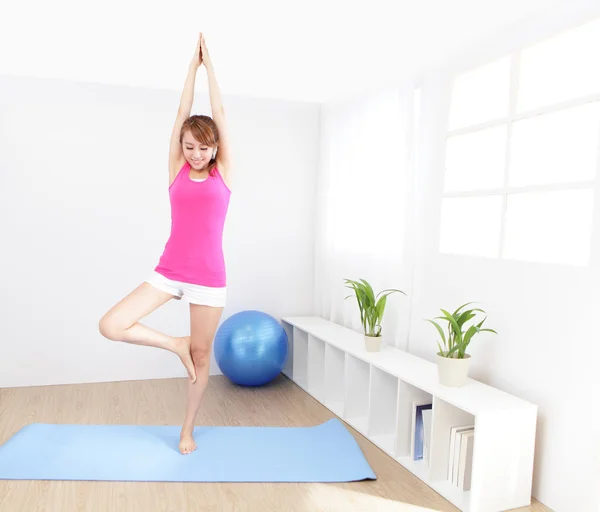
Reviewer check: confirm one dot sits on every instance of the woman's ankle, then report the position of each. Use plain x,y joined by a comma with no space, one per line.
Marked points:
187,428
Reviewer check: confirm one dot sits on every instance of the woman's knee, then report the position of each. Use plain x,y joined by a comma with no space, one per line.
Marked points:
201,354
109,328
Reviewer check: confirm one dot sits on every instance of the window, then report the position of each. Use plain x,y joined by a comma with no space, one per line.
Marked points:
557,147
522,152
481,95
467,155
562,68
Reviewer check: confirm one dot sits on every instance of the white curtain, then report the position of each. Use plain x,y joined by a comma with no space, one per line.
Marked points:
364,215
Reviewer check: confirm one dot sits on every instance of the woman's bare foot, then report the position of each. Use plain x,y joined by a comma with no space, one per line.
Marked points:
186,443
182,349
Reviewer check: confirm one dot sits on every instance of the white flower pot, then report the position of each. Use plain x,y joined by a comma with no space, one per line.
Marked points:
453,372
373,343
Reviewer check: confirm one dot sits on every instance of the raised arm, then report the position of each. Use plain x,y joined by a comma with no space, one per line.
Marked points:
176,159
224,156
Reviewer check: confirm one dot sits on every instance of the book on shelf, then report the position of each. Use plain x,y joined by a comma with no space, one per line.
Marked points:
417,437
460,456
466,458
427,417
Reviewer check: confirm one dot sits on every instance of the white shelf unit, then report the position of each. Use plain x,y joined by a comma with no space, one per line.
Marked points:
374,393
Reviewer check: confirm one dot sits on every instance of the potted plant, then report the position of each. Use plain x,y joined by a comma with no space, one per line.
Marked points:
371,308
452,358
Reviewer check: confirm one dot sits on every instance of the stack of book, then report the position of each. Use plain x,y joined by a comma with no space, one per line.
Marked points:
460,456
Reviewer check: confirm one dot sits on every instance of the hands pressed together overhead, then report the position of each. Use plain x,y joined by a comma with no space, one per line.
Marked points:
201,55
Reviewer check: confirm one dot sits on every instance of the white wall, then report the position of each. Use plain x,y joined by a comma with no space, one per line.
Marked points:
84,216
546,315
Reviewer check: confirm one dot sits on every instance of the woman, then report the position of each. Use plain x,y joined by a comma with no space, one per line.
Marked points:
192,264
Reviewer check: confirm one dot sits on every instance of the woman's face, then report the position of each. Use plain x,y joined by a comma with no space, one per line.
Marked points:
198,155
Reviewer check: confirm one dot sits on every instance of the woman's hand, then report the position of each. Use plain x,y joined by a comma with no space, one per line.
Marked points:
198,57
204,50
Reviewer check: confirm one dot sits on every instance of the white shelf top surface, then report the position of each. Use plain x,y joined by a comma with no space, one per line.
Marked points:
474,397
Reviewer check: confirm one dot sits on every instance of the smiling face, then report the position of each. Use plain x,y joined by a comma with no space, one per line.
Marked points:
198,155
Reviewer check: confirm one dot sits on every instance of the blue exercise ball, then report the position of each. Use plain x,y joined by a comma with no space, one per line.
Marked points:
251,348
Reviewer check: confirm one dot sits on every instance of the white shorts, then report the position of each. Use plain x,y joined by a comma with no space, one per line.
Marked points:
193,293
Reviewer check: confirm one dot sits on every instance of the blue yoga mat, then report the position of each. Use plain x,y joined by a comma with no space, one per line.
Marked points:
323,453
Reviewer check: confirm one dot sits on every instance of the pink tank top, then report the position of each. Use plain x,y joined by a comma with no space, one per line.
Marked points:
194,251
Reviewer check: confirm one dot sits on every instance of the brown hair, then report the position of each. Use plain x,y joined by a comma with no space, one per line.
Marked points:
205,131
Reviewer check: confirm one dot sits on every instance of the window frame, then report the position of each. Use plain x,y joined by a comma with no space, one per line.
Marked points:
508,121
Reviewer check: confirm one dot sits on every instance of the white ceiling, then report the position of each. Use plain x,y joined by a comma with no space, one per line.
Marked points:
311,50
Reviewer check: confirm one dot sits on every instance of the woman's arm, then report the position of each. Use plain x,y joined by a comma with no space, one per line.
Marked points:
187,96
224,158
185,108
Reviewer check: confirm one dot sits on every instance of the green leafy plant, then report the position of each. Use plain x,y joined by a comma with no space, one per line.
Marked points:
457,340
371,306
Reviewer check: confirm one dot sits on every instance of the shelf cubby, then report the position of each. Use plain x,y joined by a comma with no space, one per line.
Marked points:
335,371
300,357
288,369
408,395
356,396
375,393
445,416
383,411
316,367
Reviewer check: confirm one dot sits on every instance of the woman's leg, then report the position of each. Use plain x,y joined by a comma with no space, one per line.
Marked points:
120,323
204,321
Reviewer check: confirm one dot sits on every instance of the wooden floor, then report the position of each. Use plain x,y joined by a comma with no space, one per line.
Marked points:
162,402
